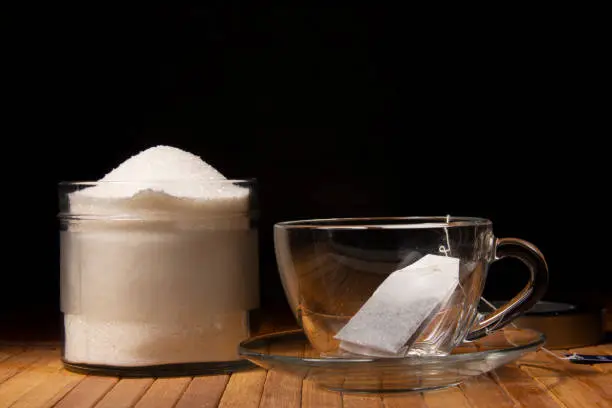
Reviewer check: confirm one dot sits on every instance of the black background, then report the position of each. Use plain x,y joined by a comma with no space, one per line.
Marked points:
336,111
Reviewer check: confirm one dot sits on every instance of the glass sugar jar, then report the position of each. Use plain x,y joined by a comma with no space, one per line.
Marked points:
157,278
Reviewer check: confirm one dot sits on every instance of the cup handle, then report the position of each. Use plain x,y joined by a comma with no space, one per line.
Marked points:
531,256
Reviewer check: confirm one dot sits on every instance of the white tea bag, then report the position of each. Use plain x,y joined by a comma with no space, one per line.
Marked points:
399,307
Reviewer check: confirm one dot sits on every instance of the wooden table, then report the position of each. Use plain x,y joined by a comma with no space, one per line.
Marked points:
32,376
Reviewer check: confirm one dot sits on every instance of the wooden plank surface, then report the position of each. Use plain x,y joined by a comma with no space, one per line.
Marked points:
565,381
244,390
164,393
204,392
87,393
28,378
33,377
126,393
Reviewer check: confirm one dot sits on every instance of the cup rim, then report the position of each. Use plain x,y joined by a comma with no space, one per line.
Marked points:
409,222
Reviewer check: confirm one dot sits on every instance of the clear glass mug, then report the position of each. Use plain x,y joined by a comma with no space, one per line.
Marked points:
330,268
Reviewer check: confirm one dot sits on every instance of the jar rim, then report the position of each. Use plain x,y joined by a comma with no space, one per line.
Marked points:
87,183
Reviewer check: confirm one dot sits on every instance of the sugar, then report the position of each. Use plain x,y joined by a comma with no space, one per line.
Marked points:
164,169
391,318
162,178
145,343
172,277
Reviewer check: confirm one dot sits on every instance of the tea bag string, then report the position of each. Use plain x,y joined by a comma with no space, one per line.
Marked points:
446,250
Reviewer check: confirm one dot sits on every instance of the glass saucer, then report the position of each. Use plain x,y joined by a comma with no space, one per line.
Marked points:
290,352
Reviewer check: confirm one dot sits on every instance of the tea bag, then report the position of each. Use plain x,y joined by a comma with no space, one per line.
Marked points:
392,317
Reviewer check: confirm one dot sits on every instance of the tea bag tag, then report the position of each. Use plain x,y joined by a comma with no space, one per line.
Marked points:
398,308
588,358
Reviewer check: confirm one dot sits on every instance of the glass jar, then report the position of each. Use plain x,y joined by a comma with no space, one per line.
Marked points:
157,278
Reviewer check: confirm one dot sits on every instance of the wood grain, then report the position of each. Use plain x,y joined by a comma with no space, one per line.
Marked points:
282,389
564,380
361,401
18,362
164,393
204,392
523,388
244,390
51,391
314,396
125,393
33,377
415,400
450,397
483,392
87,393
8,351
18,385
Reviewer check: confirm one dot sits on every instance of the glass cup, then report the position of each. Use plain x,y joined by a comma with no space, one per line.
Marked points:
330,269
153,282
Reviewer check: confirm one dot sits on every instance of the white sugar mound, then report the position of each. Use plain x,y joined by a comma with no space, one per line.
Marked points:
153,290
161,178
